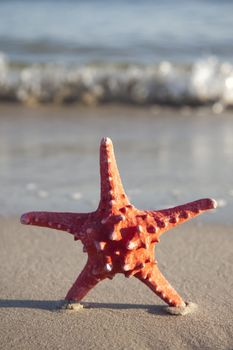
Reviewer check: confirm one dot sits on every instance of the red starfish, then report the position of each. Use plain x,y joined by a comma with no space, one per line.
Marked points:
118,237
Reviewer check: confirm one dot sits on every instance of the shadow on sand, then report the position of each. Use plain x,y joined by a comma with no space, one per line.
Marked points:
56,305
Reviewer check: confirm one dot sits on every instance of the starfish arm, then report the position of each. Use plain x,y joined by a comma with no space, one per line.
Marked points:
168,218
83,284
160,286
111,186
70,222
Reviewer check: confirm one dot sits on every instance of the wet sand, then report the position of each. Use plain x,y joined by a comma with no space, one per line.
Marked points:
165,157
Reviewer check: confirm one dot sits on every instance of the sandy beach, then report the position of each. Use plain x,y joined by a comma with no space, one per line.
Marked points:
166,157
38,266
156,77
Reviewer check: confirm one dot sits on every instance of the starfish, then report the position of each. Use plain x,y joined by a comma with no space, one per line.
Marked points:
117,237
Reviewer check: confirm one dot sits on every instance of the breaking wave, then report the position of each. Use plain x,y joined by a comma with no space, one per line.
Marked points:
207,81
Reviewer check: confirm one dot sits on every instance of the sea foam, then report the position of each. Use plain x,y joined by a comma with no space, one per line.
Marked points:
206,81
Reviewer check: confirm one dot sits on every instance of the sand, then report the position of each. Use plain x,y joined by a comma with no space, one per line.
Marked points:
166,157
37,266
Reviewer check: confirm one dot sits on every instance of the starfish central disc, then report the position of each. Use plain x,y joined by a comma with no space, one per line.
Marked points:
118,237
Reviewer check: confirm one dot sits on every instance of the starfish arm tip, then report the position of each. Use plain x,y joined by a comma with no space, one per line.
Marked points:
59,221
214,203
106,141
189,308
206,204
24,219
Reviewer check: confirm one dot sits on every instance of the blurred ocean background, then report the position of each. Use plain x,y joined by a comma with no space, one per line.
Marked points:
142,51
137,53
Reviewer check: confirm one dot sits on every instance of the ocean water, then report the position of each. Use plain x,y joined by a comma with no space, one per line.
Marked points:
49,157
141,51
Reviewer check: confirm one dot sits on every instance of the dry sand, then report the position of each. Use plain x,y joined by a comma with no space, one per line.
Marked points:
37,266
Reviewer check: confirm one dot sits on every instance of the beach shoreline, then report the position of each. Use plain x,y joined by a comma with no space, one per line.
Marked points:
166,156
49,156
156,78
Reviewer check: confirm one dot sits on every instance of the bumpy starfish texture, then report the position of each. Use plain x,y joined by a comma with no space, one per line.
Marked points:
118,237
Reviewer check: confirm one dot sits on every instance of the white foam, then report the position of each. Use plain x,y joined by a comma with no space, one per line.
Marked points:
42,194
206,81
221,202
76,195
